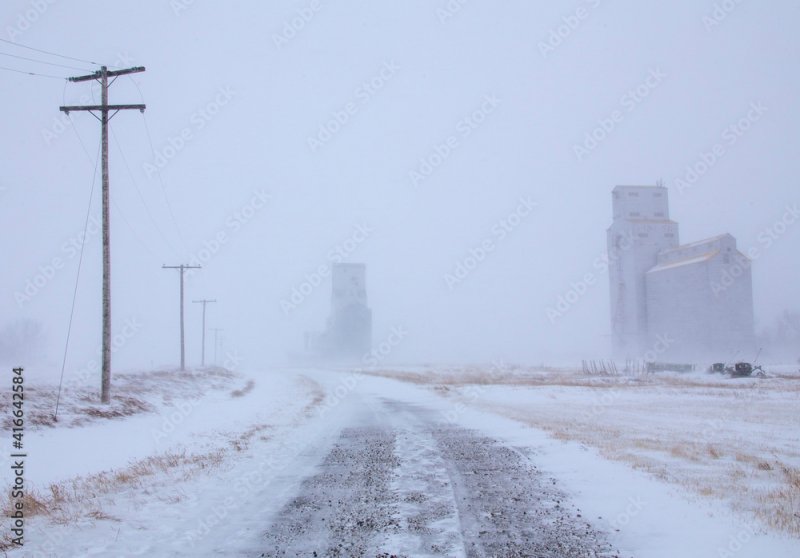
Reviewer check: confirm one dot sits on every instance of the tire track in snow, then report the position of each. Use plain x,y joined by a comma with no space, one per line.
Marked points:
409,485
508,508
427,518
342,507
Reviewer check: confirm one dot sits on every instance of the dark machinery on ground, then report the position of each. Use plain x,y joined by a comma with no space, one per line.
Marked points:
738,370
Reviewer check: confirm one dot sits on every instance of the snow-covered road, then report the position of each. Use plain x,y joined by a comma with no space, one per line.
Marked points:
341,463
400,481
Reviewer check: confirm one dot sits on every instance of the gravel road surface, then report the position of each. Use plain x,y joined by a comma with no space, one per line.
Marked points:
405,482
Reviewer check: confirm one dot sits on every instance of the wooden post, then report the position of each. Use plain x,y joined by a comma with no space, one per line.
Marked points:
203,350
181,268
103,108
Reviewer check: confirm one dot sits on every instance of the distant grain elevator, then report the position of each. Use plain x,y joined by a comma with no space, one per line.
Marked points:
348,333
691,301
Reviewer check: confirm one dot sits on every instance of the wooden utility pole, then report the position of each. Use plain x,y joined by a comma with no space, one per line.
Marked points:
104,108
181,268
203,301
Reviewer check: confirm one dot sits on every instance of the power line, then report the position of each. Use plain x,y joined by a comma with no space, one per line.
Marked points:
203,301
158,170
116,207
118,210
27,73
50,53
104,109
163,187
43,62
182,268
141,197
77,278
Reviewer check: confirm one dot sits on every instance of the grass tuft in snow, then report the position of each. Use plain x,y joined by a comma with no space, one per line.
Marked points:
729,439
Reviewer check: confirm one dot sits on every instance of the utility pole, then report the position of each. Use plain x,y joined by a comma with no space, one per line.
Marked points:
104,108
203,301
181,268
216,331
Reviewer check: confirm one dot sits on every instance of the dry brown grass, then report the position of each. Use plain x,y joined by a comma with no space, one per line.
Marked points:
248,387
442,381
241,442
683,452
573,377
71,501
316,392
728,439
6,543
82,498
101,515
780,506
80,405
123,406
744,481
33,503
42,419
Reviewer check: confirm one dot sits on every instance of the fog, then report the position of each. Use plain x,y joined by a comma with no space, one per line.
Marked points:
465,151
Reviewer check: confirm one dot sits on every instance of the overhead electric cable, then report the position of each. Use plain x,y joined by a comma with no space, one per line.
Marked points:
77,278
43,62
32,73
42,51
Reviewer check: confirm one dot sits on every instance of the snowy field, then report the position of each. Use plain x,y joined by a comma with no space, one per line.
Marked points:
212,463
733,440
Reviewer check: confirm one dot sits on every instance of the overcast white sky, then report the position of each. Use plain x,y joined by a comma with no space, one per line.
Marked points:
497,97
